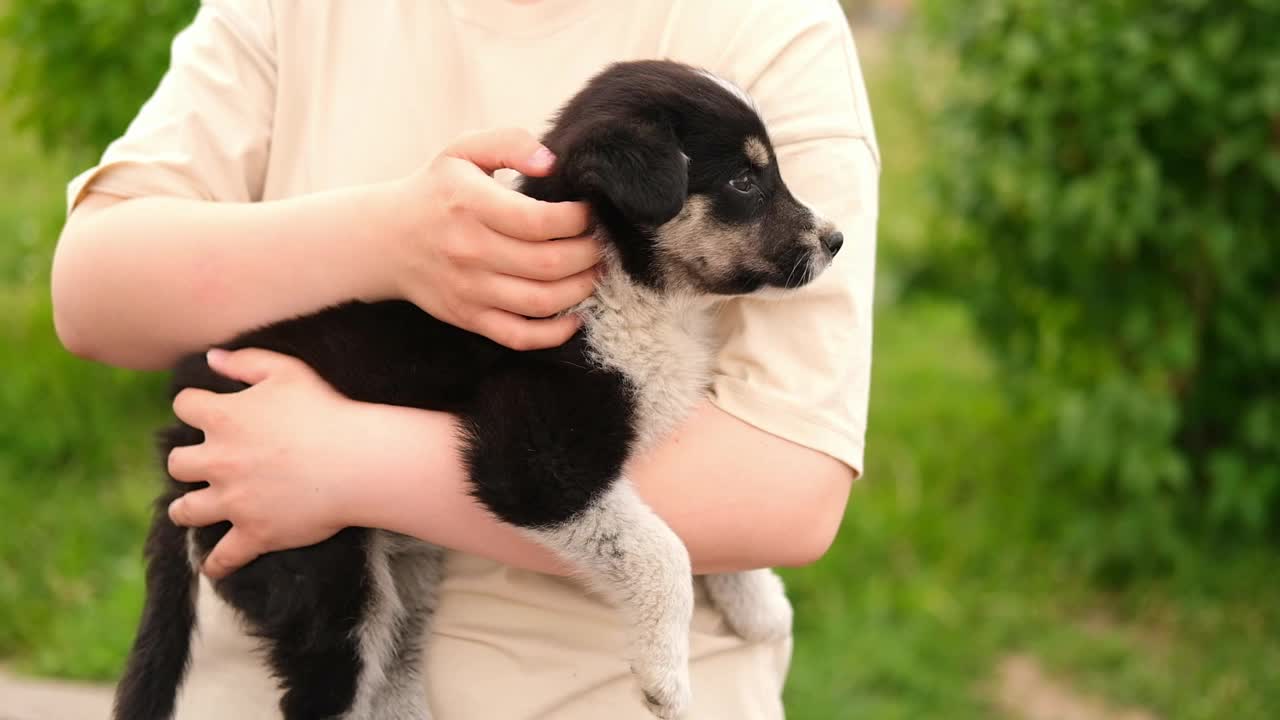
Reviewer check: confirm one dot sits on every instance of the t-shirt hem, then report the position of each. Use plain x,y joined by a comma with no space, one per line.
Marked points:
110,178
780,416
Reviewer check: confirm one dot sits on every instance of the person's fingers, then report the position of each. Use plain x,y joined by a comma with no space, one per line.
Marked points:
543,261
189,463
198,408
524,218
537,299
511,148
520,333
251,365
197,509
233,551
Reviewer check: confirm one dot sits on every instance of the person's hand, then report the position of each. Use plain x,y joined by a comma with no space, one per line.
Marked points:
281,458
486,258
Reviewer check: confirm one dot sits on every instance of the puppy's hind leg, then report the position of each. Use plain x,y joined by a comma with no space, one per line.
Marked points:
306,606
754,603
626,552
416,568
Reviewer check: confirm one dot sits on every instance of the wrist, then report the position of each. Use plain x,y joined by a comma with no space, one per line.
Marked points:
385,218
413,483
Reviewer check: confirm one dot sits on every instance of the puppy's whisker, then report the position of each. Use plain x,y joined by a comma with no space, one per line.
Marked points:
793,271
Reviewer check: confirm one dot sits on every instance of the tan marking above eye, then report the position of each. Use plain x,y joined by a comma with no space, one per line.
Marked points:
756,152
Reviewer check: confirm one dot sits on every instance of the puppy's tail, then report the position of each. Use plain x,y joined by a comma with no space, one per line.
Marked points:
161,650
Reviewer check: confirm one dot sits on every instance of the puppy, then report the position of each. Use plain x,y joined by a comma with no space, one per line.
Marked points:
688,202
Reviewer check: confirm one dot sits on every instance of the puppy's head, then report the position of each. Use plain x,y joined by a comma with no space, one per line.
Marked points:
683,180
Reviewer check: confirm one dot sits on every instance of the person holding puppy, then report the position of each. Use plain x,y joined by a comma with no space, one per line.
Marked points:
299,155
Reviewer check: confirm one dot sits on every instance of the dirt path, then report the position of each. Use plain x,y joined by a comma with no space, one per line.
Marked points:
23,698
1023,689
1026,692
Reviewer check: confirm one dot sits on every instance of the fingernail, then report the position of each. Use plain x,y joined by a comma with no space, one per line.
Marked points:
544,158
173,505
215,355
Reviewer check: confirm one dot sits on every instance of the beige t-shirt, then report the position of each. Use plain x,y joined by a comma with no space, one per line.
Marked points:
268,99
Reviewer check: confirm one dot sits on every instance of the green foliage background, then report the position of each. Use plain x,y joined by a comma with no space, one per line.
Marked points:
76,466
82,68
1072,452
1109,176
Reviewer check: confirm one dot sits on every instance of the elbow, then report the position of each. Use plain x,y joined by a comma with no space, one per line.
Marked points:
67,323
814,548
73,339
68,310
816,522
69,278
68,336
808,546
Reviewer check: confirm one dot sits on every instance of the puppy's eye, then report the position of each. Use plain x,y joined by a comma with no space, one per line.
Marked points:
744,183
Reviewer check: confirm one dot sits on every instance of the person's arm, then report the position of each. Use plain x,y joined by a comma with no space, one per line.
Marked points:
170,246
291,441
715,481
139,282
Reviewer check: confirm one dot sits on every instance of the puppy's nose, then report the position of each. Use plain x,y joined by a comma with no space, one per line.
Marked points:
833,243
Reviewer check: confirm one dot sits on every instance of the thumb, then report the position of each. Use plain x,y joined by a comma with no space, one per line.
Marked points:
508,148
250,365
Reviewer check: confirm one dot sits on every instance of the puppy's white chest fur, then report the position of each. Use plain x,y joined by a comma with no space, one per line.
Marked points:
662,343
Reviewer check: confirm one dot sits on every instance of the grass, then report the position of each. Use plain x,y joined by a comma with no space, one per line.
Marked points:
875,615
943,566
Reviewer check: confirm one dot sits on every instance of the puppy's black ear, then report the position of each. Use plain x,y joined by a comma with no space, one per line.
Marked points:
637,168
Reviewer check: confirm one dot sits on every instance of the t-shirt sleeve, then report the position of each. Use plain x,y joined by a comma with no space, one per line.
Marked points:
798,366
205,131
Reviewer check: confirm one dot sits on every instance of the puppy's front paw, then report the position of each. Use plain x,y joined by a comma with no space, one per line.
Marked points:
666,693
662,669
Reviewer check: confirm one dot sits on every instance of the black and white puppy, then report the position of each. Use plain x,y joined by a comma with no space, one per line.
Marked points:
687,199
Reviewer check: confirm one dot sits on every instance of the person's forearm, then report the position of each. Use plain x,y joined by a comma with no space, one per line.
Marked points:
742,498
777,504
137,283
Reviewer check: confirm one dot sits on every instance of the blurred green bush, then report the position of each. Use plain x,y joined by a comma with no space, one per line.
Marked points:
77,470
1109,180
86,65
